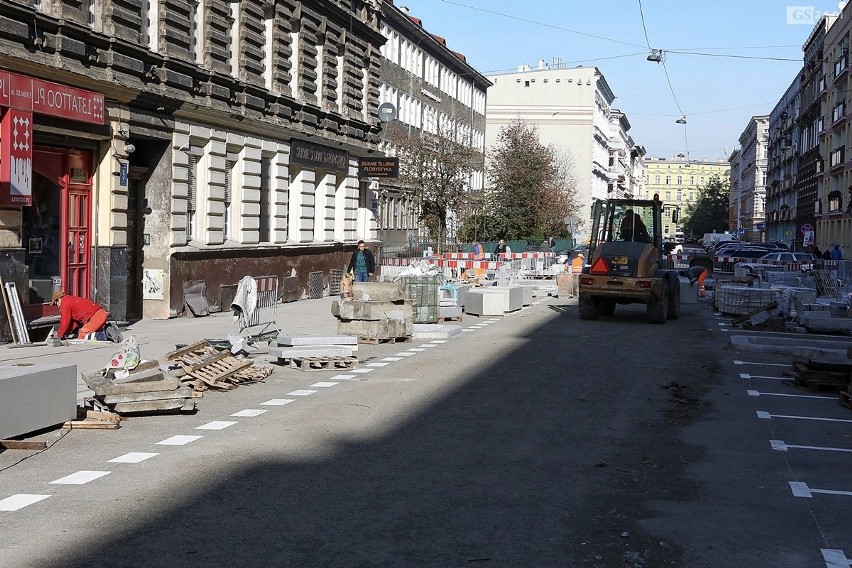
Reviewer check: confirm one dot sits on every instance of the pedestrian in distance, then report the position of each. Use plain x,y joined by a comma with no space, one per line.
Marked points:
478,251
817,253
836,253
85,318
576,270
500,249
827,254
362,263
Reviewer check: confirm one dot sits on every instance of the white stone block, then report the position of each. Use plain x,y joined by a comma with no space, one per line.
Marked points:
35,397
303,340
310,351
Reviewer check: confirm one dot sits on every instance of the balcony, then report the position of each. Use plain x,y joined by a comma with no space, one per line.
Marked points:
837,158
841,66
838,113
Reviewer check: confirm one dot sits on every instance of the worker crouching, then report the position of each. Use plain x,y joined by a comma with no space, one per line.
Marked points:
85,318
698,274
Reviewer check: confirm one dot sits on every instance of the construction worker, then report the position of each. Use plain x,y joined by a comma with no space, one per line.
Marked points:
576,270
698,273
85,318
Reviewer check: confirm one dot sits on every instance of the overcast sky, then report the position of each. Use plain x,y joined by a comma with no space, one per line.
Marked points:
717,94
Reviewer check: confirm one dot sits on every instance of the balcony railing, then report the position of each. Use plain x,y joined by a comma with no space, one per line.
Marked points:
841,65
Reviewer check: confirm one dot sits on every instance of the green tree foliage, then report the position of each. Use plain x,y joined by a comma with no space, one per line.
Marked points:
532,187
710,212
435,167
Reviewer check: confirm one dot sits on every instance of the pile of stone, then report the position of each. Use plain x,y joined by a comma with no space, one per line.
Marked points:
144,389
316,352
378,312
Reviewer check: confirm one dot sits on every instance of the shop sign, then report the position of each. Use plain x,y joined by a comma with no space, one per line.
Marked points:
318,156
16,167
122,174
378,167
44,97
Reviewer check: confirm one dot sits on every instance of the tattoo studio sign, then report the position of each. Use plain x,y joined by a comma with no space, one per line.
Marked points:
20,98
318,156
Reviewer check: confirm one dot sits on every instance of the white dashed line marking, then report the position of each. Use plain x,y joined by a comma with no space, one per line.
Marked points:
178,440
378,364
133,457
216,425
429,346
79,478
469,329
404,354
20,501
438,341
758,393
781,446
767,416
324,384
835,558
801,489
344,377
392,359
303,392
277,402
416,349
362,371
249,413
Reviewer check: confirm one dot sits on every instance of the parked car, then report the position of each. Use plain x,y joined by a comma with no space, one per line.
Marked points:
566,256
806,258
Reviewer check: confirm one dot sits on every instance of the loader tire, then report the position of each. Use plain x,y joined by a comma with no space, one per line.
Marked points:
588,308
659,310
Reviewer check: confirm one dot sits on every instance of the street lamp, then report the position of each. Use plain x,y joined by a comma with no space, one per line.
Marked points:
681,120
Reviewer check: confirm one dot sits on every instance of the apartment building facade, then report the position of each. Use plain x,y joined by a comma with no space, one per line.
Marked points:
433,89
185,141
748,190
783,168
572,110
678,182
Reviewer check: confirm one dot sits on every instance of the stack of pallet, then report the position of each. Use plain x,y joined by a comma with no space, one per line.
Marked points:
145,389
817,372
377,313
202,366
316,353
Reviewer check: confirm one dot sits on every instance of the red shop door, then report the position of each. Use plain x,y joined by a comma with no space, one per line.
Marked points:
70,173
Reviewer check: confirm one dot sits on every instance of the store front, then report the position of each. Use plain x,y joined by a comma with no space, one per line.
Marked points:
46,181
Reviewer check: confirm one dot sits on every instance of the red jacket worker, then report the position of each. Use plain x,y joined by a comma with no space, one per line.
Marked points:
79,313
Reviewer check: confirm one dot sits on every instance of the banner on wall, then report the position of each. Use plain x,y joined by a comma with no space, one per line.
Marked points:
16,167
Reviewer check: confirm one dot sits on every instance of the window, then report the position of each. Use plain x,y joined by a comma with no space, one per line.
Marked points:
668,180
191,197
679,180
265,205
657,180
230,166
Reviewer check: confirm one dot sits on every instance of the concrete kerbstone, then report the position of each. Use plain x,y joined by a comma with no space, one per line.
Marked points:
311,351
36,397
324,340
435,331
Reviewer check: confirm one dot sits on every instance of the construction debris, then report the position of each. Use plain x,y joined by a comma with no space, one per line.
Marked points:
144,391
311,353
203,366
378,312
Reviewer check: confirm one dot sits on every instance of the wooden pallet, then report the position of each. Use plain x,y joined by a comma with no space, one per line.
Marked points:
380,340
846,399
815,385
814,379
323,363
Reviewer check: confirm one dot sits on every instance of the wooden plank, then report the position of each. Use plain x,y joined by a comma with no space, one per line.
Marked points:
9,312
182,392
145,366
177,353
218,357
91,425
22,445
83,413
221,369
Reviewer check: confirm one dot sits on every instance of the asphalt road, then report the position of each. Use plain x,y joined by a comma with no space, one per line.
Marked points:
534,440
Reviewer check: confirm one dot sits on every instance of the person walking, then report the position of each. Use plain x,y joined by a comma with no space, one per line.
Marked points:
86,318
362,263
836,253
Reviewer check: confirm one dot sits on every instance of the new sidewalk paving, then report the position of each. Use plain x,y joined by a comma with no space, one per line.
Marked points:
158,337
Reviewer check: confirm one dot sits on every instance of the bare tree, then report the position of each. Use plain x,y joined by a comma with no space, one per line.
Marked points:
435,167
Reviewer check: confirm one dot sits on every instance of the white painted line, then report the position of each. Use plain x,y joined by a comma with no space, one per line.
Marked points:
758,393
416,349
438,341
277,402
392,359
378,364
835,558
133,457
324,384
404,354
362,371
767,416
722,323
302,392
781,446
747,376
80,477
801,489
765,364
249,413
20,501
216,425
428,345
178,440
469,329
344,377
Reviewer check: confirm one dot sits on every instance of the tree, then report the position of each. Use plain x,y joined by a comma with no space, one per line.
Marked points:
435,167
710,212
532,186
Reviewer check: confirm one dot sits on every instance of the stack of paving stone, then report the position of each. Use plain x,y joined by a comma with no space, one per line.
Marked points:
825,318
378,312
311,353
145,389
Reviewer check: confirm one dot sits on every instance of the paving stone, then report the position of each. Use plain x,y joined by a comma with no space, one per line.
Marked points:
324,340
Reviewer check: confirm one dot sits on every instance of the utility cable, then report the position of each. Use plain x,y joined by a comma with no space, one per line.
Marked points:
732,56
644,28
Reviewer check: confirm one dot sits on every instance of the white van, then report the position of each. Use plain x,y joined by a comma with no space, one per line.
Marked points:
713,239
679,237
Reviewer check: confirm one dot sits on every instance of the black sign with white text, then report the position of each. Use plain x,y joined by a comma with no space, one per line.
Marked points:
318,156
378,167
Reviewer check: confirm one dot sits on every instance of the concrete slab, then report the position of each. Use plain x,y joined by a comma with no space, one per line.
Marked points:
36,396
829,324
311,351
369,310
304,340
379,291
435,331
449,312
784,345
381,329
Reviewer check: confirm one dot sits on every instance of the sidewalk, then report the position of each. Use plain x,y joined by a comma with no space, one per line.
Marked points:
158,337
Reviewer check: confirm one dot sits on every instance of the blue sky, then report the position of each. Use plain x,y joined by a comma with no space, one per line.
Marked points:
717,94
